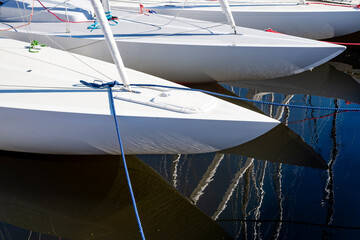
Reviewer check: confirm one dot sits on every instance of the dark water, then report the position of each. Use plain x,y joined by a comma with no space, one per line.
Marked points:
299,181
281,198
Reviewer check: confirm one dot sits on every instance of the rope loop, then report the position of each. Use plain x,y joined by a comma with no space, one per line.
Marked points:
112,19
100,86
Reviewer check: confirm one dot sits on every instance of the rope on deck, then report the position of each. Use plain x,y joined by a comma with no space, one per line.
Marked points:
245,99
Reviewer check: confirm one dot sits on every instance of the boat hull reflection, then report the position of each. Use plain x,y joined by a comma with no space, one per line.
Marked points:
87,197
324,81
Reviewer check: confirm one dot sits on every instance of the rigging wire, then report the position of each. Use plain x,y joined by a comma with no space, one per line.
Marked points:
240,98
77,58
177,15
27,26
245,99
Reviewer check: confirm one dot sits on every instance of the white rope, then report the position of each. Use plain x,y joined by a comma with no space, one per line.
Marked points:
77,58
181,10
67,24
23,19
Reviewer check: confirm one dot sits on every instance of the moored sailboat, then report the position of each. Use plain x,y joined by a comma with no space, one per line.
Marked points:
177,49
45,109
309,19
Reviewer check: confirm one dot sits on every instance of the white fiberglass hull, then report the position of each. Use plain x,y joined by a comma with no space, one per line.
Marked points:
45,109
311,20
186,50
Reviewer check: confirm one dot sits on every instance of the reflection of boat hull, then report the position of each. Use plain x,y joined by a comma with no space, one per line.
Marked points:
45,109
187,50
87,197
323,81
309,20
281,145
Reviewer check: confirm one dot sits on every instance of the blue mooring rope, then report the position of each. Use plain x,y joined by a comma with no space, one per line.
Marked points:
245,99
222,95
109,86
234,97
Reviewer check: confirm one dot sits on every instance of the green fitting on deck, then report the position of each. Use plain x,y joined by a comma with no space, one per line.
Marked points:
33,44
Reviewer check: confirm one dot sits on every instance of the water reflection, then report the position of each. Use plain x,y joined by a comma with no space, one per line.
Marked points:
234,183
329,197
325,81
280,144
86,197
348,69
278,198
206,178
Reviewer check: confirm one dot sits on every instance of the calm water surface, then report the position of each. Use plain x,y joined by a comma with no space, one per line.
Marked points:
252,198
299,181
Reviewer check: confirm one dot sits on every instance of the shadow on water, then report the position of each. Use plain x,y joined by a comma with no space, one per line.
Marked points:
325,81
87,197
281,144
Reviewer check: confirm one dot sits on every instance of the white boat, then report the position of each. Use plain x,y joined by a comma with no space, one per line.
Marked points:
180,50
315,20
45,109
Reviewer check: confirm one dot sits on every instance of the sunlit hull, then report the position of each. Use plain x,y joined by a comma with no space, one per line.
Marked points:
45,109
315,21
186,50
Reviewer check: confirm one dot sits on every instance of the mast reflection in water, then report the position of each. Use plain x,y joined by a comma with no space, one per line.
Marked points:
310,160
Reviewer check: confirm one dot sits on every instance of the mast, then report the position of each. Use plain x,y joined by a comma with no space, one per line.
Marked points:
106,5
226,9
110,40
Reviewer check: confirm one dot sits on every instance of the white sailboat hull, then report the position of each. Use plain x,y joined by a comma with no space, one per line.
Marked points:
73,133
313,21
45,109
186,50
